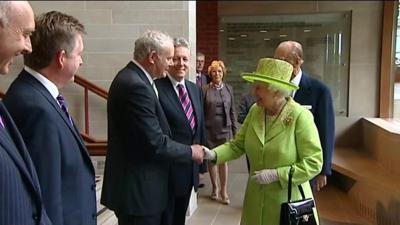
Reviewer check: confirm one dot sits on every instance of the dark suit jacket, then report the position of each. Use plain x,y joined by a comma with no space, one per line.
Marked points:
20,198
313,92
204,80
63,165
140,147
183,176
246,101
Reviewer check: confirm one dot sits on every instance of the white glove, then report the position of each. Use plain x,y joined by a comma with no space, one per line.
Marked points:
265,176
209,154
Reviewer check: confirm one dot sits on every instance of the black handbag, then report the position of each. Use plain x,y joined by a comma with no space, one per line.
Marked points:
297,212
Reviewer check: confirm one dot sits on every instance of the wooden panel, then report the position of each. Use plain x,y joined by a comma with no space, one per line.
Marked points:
386,87
363,168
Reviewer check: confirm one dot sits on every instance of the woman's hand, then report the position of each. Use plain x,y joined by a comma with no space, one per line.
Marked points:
209,154
265,176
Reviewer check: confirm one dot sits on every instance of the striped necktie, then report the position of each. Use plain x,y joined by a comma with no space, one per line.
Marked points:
2,122
187,106
64,107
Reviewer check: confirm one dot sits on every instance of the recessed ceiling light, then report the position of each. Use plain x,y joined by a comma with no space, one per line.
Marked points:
221,30
307,30
231,38
243,35
267,39
283,35
263,31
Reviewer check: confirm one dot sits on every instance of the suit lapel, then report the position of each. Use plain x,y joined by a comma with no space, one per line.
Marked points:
259,125
46,94
285,117
10,146
171,94
276,128
142,76
159,111
304,89
195,104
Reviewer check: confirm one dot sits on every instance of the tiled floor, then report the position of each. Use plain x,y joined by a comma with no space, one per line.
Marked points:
333,205
332,209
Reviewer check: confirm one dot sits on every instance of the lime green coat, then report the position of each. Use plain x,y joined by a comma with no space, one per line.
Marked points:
291,141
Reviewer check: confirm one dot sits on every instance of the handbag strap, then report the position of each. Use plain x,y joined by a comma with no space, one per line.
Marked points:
290,186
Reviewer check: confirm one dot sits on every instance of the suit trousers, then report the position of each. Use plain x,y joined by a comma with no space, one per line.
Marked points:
139,220
175,214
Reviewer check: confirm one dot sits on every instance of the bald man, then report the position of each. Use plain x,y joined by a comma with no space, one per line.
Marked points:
316,96
20,197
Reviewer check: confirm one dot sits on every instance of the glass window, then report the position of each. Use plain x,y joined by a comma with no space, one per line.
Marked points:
396,88
326,44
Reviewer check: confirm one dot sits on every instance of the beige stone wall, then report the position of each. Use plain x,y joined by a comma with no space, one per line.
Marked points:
366,31
112,27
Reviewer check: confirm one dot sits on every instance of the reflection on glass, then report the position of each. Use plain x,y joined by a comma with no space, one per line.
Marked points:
396,89
325,39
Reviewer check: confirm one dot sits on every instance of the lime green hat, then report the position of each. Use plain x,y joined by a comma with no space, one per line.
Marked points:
273,71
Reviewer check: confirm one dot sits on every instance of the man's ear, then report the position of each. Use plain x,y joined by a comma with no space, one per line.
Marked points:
299,61
153,57
60,58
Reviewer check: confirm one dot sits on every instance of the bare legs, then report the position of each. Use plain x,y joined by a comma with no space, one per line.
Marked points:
223,180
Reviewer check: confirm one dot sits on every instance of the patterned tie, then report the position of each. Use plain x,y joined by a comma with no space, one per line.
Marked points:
198,80
2,122
187,106
64,107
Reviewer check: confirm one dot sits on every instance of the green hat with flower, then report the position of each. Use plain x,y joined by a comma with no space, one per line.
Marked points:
273,71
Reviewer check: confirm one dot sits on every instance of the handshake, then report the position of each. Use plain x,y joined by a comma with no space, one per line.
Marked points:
200,152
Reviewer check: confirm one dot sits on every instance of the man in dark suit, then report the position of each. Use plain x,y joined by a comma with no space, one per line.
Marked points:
182,103
63,165
316,96
202,79
20,197
140,147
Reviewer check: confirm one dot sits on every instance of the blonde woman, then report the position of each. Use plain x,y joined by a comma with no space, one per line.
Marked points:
220,122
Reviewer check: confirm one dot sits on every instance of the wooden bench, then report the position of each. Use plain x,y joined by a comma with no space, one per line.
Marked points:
369,174
361,167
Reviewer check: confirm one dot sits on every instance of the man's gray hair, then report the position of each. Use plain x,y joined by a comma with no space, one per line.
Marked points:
150,41
4,12
200,54
181,42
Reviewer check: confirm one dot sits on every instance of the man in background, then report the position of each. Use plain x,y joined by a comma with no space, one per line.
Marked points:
140,145
182,103
315,96
201,79
20,196
65,170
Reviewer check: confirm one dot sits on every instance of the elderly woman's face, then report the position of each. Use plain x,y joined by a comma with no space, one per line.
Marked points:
264,95
216,74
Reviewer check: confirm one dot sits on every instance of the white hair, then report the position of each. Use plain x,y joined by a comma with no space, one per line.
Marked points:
4,12
181,42
150,41
279,90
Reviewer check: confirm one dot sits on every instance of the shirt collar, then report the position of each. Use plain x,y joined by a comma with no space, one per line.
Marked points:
50,86
297,78
144,71
175,84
